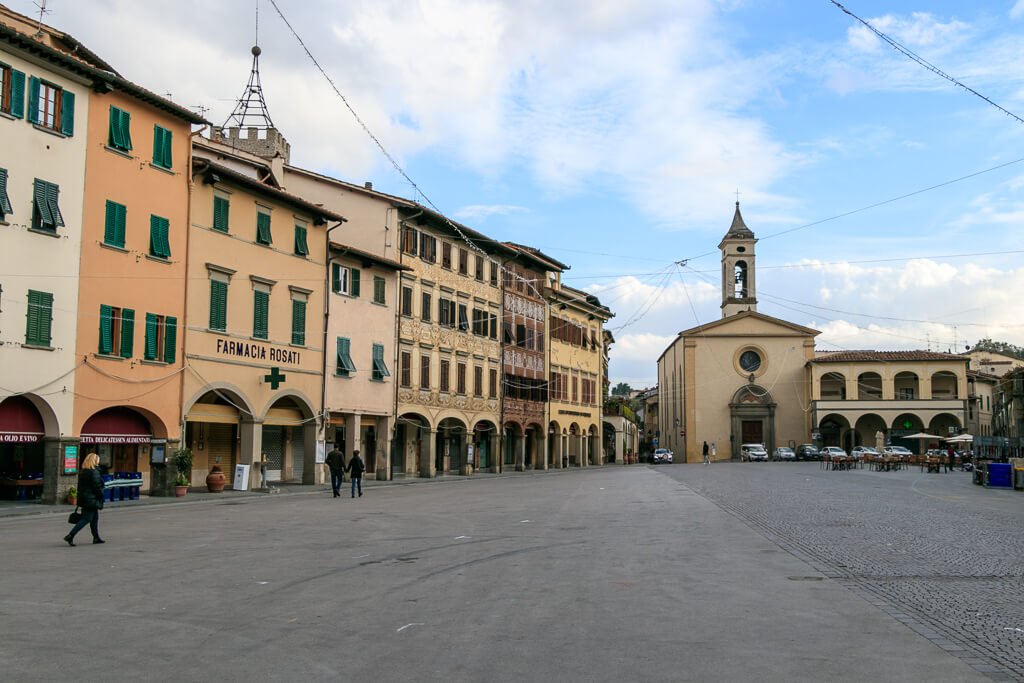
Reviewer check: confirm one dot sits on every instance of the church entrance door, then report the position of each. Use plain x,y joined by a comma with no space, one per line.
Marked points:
753,431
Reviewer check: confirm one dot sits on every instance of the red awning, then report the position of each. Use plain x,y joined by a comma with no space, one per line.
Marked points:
20,422
116,425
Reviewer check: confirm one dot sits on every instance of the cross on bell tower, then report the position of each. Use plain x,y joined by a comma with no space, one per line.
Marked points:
737,247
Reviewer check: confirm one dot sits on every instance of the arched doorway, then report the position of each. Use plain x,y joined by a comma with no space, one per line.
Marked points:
573,449
554,445
905,425
483,434
944,424
609,441
450,454
288,440
409,450
22,450
512,448
834,430
534,436
212,431
752,410
868,428
119,435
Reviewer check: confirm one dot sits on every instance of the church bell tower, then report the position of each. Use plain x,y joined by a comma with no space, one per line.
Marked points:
737,247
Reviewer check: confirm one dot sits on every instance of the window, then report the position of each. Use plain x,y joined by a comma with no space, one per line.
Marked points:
494,326
40,317
460,378
159,245
379,289
260,314
298,322
428,247
344,280
407,301
446,373
12,91
529,338
521,336
50,106
494,273
116,324
540,340
575,389
263,235
480,322
218,305
45,211
493,389
119,134
406,359
463,262
161,336
446,255
446,312
5,201
301,248
424,372
478,380
463,320
345,366
425,307
380,369
905,394
161,147
479,267
409,237
509,336
221,205
113,230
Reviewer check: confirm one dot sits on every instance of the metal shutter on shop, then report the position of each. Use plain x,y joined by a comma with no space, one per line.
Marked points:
298,453
220,443
273,447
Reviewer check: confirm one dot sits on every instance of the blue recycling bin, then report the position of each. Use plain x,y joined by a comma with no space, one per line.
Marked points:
999,475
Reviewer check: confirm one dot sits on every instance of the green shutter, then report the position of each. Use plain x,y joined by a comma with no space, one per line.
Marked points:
67,113
158,237
300,241
113,230
220,214
5,201
106,330
122,212
40,308
114,129
52,192
380,369
42,206
263,235
340,368
354,285
298,322
152,342
161,147
170,338
17,94
127,332
260,309
336,278
33,99
218,305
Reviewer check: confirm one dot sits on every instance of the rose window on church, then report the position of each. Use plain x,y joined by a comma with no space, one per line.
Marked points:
750,361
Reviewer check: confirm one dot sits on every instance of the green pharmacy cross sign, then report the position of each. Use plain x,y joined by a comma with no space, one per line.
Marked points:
274,378
906,425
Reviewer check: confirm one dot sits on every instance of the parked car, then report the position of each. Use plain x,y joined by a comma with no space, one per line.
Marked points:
752,452
899,451
807,451
661,455
860,451
833,452
784,454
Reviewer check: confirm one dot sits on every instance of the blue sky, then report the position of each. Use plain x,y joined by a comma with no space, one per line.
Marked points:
614,136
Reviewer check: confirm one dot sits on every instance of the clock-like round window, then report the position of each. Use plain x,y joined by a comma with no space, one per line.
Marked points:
750,361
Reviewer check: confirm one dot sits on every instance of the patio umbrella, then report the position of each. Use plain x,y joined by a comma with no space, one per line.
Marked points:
960,438
921,436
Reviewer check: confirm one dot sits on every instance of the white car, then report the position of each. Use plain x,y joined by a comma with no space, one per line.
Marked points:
661,455
752,452
785,454
861,451
899,451
833,452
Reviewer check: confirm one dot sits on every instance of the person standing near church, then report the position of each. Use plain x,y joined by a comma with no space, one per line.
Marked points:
355,468
336,463
706,451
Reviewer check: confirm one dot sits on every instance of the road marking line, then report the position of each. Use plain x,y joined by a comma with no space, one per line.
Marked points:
461,537
407,626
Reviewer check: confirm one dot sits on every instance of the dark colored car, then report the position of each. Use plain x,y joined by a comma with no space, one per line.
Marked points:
808,451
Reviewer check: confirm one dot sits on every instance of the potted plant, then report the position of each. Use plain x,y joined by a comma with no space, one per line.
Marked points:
183,465
215,480
72,495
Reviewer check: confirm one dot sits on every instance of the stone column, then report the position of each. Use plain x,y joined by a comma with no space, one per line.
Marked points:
495,445
251,449
520,452
542,448
427,469
383,455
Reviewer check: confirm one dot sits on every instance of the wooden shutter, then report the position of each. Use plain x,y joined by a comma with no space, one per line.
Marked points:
52,192
298,322
161,147
336,278
33,99
218,304
158,237
170,338
127,332
300,241
42,206
152,343
113,230
40,310
17,94
106,330
260,308
67,113
263,235
126,131
5,201
221,208
354,285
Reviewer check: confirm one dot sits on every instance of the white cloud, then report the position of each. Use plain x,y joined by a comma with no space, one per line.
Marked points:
481,213
1017,11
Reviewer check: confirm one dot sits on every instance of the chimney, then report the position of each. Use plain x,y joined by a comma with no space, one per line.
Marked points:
368,185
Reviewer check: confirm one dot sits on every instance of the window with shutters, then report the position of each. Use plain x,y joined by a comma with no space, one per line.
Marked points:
493,333
446,255
45,210
260,314
425,305
478,380
301,248
494,273
117,331
221,209
575,389
540,340
407,301
380,368
344,280
39,318
159,239
5,200
263,235
379,289
529,338
155,335
218,305
492,391
119,135
460,378
446,312
298,322
409,238
406,368
521,336
12,91
424,372
446,374
5,87
463,319
161,147
344,367
113,227
479,274
428,247
50,106
463,262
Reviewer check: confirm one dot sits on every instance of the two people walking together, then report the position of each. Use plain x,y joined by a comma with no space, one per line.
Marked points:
355,467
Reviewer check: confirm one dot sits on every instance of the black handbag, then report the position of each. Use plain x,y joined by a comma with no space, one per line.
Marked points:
75,517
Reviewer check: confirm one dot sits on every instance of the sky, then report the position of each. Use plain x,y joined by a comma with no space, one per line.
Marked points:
617,137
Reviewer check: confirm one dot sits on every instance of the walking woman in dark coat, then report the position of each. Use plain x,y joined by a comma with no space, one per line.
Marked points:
90,499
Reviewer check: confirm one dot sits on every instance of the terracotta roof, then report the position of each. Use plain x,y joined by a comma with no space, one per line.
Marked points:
886,356
344,250
537,255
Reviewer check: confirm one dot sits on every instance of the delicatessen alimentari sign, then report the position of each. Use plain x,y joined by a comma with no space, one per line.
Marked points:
116,438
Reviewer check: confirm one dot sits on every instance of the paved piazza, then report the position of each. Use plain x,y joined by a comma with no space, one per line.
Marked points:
936,551
732,572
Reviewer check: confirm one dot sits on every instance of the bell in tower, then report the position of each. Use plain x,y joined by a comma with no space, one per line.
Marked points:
737,247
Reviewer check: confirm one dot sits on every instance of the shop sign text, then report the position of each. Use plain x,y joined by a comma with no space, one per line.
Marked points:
243,349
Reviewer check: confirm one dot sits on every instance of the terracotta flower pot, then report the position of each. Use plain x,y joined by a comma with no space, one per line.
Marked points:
215,481
72,500
180,491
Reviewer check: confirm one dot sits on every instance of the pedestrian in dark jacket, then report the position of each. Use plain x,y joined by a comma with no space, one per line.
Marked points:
355,468
90,499
336,463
